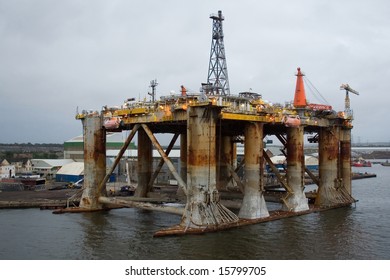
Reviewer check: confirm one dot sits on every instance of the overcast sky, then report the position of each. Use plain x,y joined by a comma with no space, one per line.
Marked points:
56,56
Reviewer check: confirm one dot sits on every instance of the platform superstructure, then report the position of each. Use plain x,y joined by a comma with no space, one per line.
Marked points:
209,124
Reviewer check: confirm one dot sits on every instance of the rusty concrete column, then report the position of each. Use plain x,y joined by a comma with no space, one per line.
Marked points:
225,158
297,200
144,163
183,165
183,156
253,204
94,161
234,155
328,149
345,159
203,208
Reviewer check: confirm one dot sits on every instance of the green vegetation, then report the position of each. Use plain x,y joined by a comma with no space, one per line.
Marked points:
14,152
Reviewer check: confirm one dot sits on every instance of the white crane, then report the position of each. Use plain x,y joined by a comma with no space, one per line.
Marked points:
348,89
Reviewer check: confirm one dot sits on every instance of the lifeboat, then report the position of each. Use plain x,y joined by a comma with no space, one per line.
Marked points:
111,123
361,163
291,120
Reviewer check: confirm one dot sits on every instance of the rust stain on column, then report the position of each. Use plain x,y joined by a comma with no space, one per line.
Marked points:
295,201
94,161
330,191
253,204
345,159
203,208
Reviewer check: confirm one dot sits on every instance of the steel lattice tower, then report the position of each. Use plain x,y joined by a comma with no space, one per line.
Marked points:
217,79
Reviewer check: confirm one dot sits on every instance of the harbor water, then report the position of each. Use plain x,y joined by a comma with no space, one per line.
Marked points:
359,232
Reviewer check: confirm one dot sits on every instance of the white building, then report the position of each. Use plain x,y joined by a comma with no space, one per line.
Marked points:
23,166
7,170
48,167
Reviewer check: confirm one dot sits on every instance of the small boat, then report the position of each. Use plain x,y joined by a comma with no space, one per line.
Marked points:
361,163
387,163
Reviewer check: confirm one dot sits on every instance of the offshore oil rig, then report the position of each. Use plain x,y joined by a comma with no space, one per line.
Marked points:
209,124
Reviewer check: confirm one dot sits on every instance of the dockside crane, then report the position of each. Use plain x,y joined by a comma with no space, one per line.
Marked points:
348,89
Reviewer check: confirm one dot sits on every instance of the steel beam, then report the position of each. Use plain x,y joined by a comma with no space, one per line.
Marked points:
253,204
281,179
234,176
161,163
164,156
118,158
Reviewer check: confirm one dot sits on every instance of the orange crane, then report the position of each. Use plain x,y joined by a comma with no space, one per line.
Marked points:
300,96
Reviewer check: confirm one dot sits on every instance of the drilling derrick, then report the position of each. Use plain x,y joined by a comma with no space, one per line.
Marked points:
217,79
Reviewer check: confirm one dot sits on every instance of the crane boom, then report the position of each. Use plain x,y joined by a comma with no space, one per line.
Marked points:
349,89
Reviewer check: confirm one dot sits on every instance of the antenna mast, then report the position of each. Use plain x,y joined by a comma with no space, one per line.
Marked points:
217,79
153,85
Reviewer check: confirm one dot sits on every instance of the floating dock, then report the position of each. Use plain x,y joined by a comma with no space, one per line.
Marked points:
209,125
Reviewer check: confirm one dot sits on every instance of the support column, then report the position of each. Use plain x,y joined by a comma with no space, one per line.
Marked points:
234,155
345,159
328,153
203,208
253,204
94,161
330,191
183,165
144,163
226,159
295,201
183,156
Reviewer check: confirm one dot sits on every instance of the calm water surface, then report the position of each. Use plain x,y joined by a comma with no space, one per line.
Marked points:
357,232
